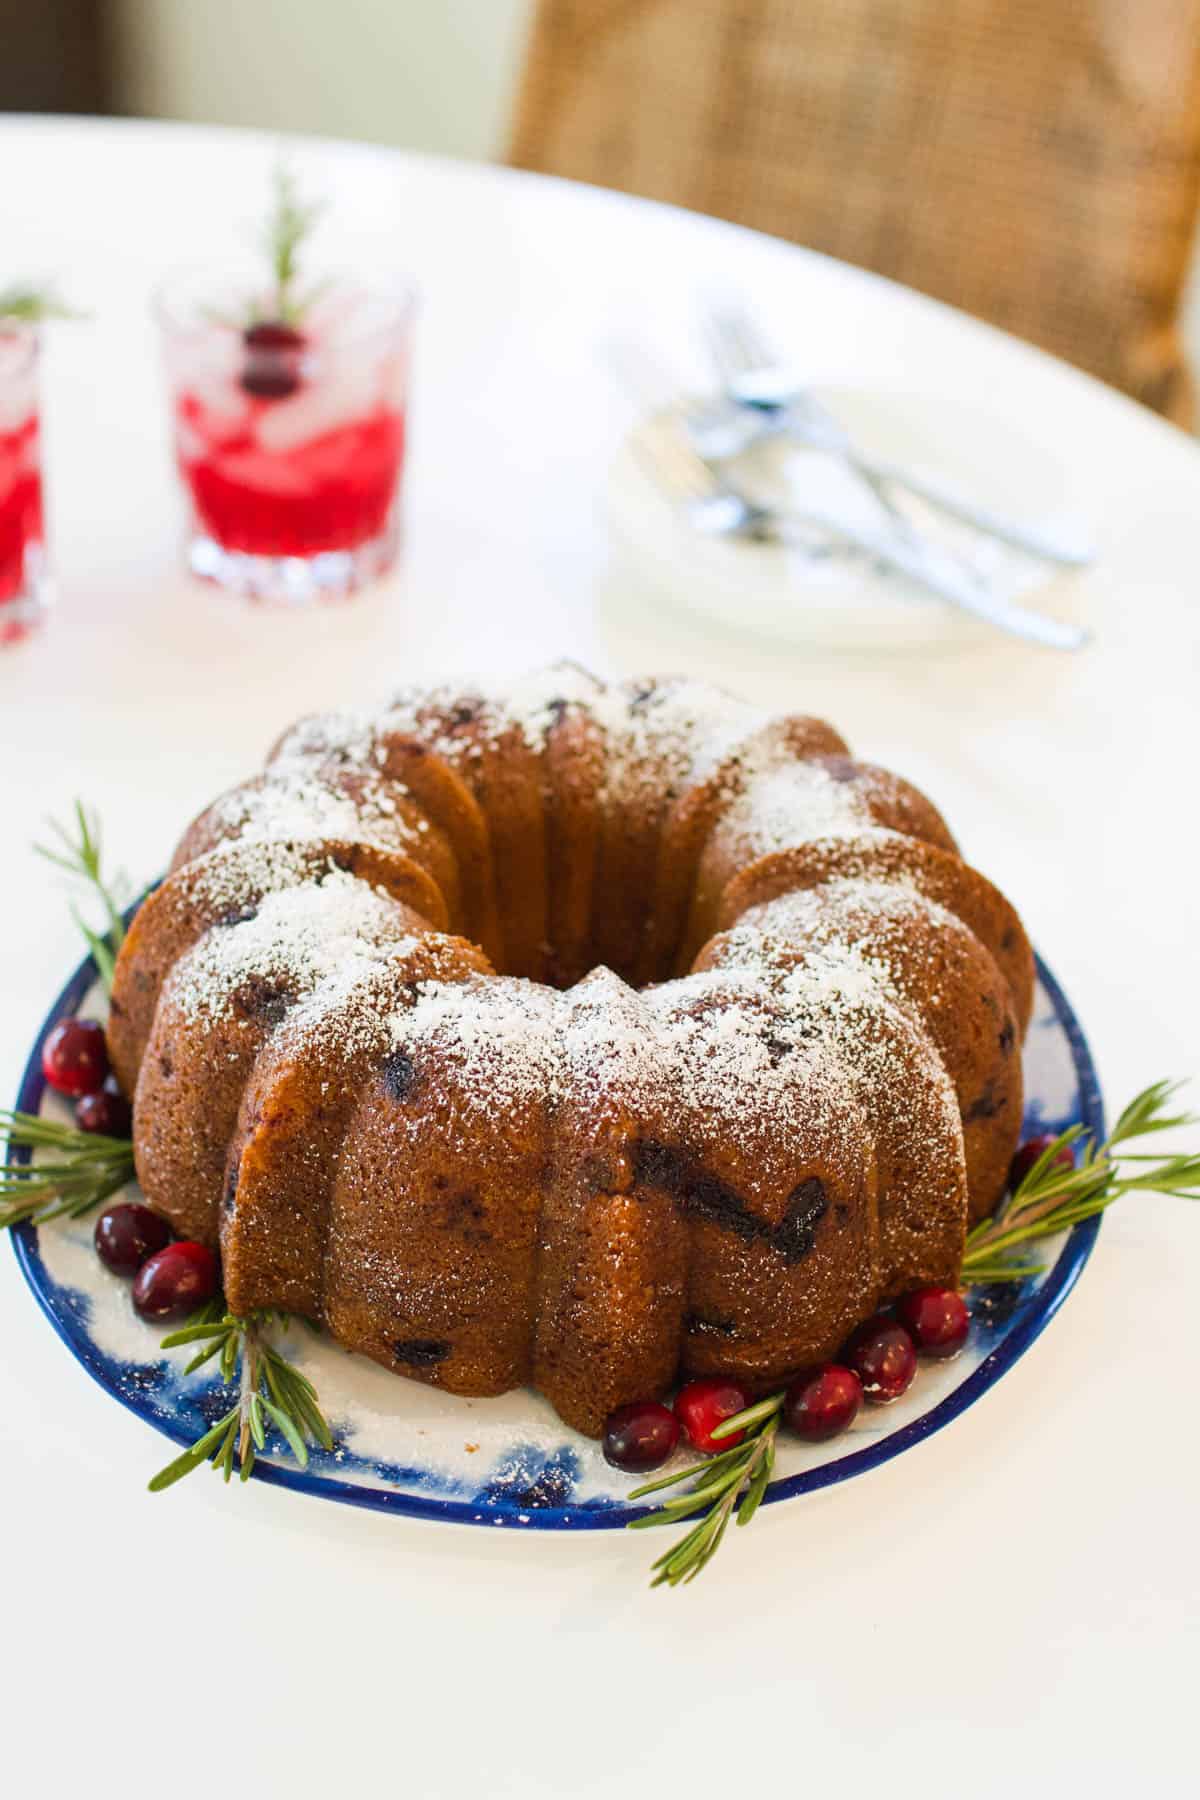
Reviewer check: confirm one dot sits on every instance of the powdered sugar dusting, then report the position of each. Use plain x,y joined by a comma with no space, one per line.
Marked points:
751,1045
293,804
788,804
498,1032
221,880
295,939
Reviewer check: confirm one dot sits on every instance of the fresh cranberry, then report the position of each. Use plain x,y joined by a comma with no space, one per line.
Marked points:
273,334
640,1435
107,1111
1029,1153
937,1320
700,1406
822,1402
882,1355
75,1058
175,1281
128,1235
270,371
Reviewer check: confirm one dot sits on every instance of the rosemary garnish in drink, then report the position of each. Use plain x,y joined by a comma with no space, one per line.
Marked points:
24,304
290,223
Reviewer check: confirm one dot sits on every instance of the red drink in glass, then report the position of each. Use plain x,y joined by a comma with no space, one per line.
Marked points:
290,440
23,584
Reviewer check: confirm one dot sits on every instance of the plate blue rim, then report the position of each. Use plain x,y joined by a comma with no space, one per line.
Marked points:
1042,1307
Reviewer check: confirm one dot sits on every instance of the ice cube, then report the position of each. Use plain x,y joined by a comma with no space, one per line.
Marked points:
340,395
17,406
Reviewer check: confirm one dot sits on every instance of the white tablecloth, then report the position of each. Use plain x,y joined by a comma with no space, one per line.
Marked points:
1013,1603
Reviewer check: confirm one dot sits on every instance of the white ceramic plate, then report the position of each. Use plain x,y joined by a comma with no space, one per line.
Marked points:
841,599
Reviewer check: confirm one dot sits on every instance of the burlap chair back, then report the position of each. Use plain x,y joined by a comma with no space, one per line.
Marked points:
1036,162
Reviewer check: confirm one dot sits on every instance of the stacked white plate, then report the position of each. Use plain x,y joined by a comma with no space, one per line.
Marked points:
838,598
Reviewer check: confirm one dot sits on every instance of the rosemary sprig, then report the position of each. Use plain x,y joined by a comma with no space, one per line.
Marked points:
731,1483
271,1394
1049,1200
1052,1198
82,1169
30,305
290,222
78,852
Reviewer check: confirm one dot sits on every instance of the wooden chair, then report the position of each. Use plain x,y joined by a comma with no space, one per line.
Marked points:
1036,162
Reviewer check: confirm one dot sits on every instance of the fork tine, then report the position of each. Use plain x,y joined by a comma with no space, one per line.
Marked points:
721,346
749,346
756,348
744,349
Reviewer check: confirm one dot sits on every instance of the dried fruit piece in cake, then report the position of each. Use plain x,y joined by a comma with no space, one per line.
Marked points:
611,1293
929,962
307,1082
224,888
439,1189
218,1006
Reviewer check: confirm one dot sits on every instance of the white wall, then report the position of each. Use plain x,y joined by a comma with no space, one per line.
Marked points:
430,74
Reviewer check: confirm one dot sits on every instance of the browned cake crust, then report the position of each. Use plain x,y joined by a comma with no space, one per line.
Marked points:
790,1078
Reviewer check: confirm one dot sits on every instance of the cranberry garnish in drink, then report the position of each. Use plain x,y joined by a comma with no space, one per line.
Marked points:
271,370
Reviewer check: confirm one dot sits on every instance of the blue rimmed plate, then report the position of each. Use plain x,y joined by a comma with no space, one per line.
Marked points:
406,1448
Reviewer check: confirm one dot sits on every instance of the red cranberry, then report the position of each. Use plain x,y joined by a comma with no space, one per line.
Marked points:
175,1281
270,371
127,1235
1029,1153
640,1435
107,1111
75,1057
822,1402
881,1354
700,1406
937,1320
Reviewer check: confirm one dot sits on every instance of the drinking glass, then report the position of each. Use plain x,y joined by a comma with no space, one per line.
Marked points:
289,437
24,585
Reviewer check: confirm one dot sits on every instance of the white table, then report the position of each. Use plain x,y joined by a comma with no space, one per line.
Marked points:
1013,1602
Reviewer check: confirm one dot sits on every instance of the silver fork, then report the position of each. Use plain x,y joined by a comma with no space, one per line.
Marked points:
773,402
716,506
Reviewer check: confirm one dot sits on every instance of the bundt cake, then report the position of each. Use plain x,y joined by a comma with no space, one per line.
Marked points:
578,1035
